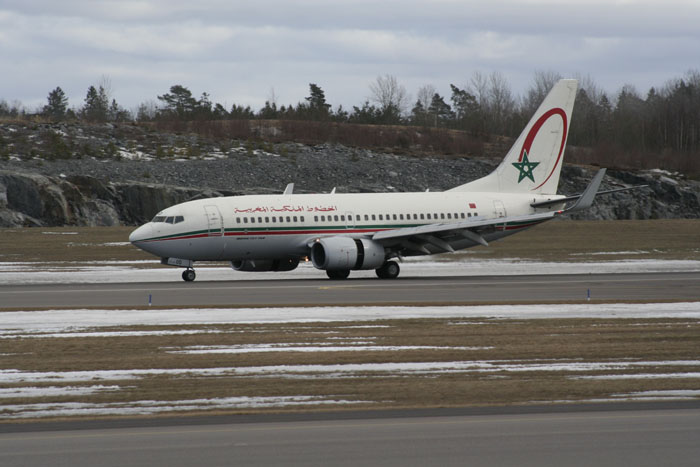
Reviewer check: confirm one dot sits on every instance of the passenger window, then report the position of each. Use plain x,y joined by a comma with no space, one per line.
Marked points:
267,220
289,219
381,217
302,218
358,218
342,217
374,217
366,217
315,218
401,216
469,214
427,215
252,220
422,216
449,215
245,220
323,218
462,215
442,215
260,220
415,216
294,218
395,216
238,220
274,219
335,218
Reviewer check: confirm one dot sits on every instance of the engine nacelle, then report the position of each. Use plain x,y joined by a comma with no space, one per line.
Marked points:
265,265
333,253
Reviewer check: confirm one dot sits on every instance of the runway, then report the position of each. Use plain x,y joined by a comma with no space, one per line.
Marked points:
408,291
577,437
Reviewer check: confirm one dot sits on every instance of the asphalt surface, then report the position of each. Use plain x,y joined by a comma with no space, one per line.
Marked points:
602,437
438,290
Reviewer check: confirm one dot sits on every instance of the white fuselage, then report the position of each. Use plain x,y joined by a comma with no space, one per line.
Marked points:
278,226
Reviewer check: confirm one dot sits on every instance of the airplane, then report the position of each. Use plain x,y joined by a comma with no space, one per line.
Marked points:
358,231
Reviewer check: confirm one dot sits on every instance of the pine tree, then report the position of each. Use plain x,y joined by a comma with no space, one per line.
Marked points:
96,108
57,104
440,111
316,103
179,102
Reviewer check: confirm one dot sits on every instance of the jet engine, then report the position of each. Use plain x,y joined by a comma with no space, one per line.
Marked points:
345,253
265,265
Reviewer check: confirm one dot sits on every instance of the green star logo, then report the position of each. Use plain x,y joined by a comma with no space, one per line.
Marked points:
525,167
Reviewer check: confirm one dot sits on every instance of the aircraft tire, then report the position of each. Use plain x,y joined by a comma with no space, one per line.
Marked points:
338,274
188,275
389,270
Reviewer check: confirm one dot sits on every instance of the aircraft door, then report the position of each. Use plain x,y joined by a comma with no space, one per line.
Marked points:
214,221
216,244
498,208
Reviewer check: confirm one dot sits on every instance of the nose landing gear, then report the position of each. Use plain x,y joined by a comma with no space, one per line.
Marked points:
188,275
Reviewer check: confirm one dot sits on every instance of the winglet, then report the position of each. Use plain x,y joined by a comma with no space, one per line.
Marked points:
289,190
586,199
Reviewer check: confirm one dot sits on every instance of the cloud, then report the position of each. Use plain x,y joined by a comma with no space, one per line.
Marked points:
237,51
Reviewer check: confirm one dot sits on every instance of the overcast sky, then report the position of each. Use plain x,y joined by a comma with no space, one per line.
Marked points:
239,51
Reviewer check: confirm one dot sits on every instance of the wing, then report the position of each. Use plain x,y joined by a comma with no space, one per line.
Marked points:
438,238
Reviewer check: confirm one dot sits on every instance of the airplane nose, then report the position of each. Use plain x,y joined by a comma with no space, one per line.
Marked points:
142,233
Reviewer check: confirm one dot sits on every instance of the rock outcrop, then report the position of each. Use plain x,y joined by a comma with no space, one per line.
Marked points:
28,199
101,175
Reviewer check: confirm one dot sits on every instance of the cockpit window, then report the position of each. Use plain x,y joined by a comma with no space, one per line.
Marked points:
169,219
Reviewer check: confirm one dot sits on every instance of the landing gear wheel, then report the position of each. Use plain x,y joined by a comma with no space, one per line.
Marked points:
390,270
188,275
338,274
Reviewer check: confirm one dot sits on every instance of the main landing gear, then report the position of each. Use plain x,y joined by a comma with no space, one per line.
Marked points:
188,275
338,274
389,270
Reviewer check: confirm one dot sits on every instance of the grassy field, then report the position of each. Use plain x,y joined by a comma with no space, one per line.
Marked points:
525,355
552,241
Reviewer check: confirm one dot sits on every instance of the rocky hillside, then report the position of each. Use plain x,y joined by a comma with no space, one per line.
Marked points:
72,174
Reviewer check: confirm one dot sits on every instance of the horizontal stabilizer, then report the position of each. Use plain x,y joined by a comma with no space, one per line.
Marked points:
586,199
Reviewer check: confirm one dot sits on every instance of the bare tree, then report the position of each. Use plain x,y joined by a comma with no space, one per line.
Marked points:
542,83
425,95
389,95
479,87
502,102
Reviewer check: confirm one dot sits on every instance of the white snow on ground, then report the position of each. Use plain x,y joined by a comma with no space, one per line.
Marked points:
49,391
59,409
128,271
184,332
23,323
262,348
351,370
643,376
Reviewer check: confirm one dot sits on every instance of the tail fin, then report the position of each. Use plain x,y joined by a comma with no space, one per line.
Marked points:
534,162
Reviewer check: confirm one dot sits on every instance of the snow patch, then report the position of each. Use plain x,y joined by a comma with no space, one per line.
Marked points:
148,407
81,320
